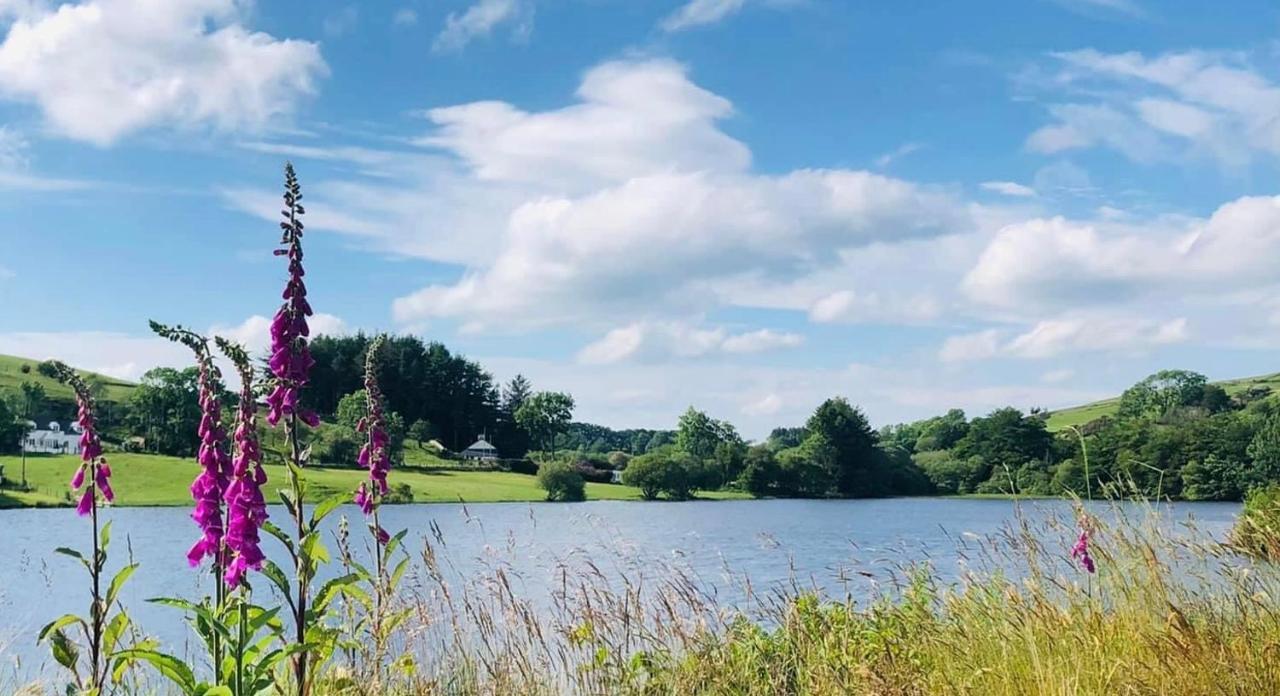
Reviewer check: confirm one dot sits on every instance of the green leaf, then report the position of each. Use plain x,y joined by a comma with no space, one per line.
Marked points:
331,588
104,537
60,623
64,650
313,548
278,533
175,602
277,577
398,573
169,666
117,582
73,554
114,629
217,691
328,505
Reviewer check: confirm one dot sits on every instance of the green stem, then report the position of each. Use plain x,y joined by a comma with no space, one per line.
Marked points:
96,611
301,562
244,638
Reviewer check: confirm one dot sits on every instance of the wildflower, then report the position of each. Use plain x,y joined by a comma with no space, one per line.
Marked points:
375,454
1080,551
210,485
291,359
246,507
92,464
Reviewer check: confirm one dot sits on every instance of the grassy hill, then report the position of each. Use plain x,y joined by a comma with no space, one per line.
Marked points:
12,377
151,480
1079,415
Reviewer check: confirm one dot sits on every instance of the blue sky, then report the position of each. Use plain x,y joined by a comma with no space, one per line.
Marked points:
742,205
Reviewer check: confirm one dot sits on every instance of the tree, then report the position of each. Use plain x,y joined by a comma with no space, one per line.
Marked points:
669,472
943,432
699,434
545,415
421,431
510,436
760,471
1264,452
561,481
351,410
782,438
1161,393
856,459
164,409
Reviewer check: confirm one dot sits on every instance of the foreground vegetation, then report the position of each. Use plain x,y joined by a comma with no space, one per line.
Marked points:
1170,610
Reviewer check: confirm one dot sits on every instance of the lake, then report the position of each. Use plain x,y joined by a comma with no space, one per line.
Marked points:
835,545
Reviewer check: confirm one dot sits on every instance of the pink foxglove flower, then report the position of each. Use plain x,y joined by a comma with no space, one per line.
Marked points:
291,360
1080,551
246,507
93,466
375,455
210,485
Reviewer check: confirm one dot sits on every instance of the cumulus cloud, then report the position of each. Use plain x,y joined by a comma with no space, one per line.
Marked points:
480,19
661,341
254,333
1175,105
1069,334
101,69
1047,263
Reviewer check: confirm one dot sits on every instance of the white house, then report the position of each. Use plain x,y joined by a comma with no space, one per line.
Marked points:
480,450
53,440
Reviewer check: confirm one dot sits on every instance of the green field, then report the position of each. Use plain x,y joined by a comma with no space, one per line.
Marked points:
12,377
144,479
1079,415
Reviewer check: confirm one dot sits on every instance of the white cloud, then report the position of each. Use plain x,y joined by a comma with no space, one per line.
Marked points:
1172,106
896,154
480,19
975,346
1009,188
767,405
662,341
14,165
1057,376
404,17
254,333
846,306
1054,263
696,13
1069,334
102,69
341,22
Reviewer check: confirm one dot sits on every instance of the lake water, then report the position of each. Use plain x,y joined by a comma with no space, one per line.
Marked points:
821,543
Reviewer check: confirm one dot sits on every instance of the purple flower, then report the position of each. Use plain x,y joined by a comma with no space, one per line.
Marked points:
93,466
291,360
1080,551
210,485
375,454
246,507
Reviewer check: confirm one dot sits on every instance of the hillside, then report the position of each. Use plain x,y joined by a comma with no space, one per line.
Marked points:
12,377
1079,415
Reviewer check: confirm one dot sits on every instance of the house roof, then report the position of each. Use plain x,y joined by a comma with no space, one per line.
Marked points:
481,444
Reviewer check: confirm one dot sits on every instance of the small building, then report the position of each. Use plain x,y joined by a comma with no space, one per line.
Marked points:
480,450
53,440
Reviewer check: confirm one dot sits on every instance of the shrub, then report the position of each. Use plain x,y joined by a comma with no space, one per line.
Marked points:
1257,530
25,369
562,482
400,493
664,472
618,460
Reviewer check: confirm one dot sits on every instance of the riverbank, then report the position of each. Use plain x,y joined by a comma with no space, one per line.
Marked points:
146,480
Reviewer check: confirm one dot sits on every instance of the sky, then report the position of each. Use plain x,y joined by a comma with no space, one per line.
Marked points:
747,206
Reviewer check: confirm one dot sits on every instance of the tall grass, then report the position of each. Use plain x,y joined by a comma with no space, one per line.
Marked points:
1170,611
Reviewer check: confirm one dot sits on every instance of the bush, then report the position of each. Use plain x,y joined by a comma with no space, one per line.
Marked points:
589,472
562,482
398,494
1257,530
664,472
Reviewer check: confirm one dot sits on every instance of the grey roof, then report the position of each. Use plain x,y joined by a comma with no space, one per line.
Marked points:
481,444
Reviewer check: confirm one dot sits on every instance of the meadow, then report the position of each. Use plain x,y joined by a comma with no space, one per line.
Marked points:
149,480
